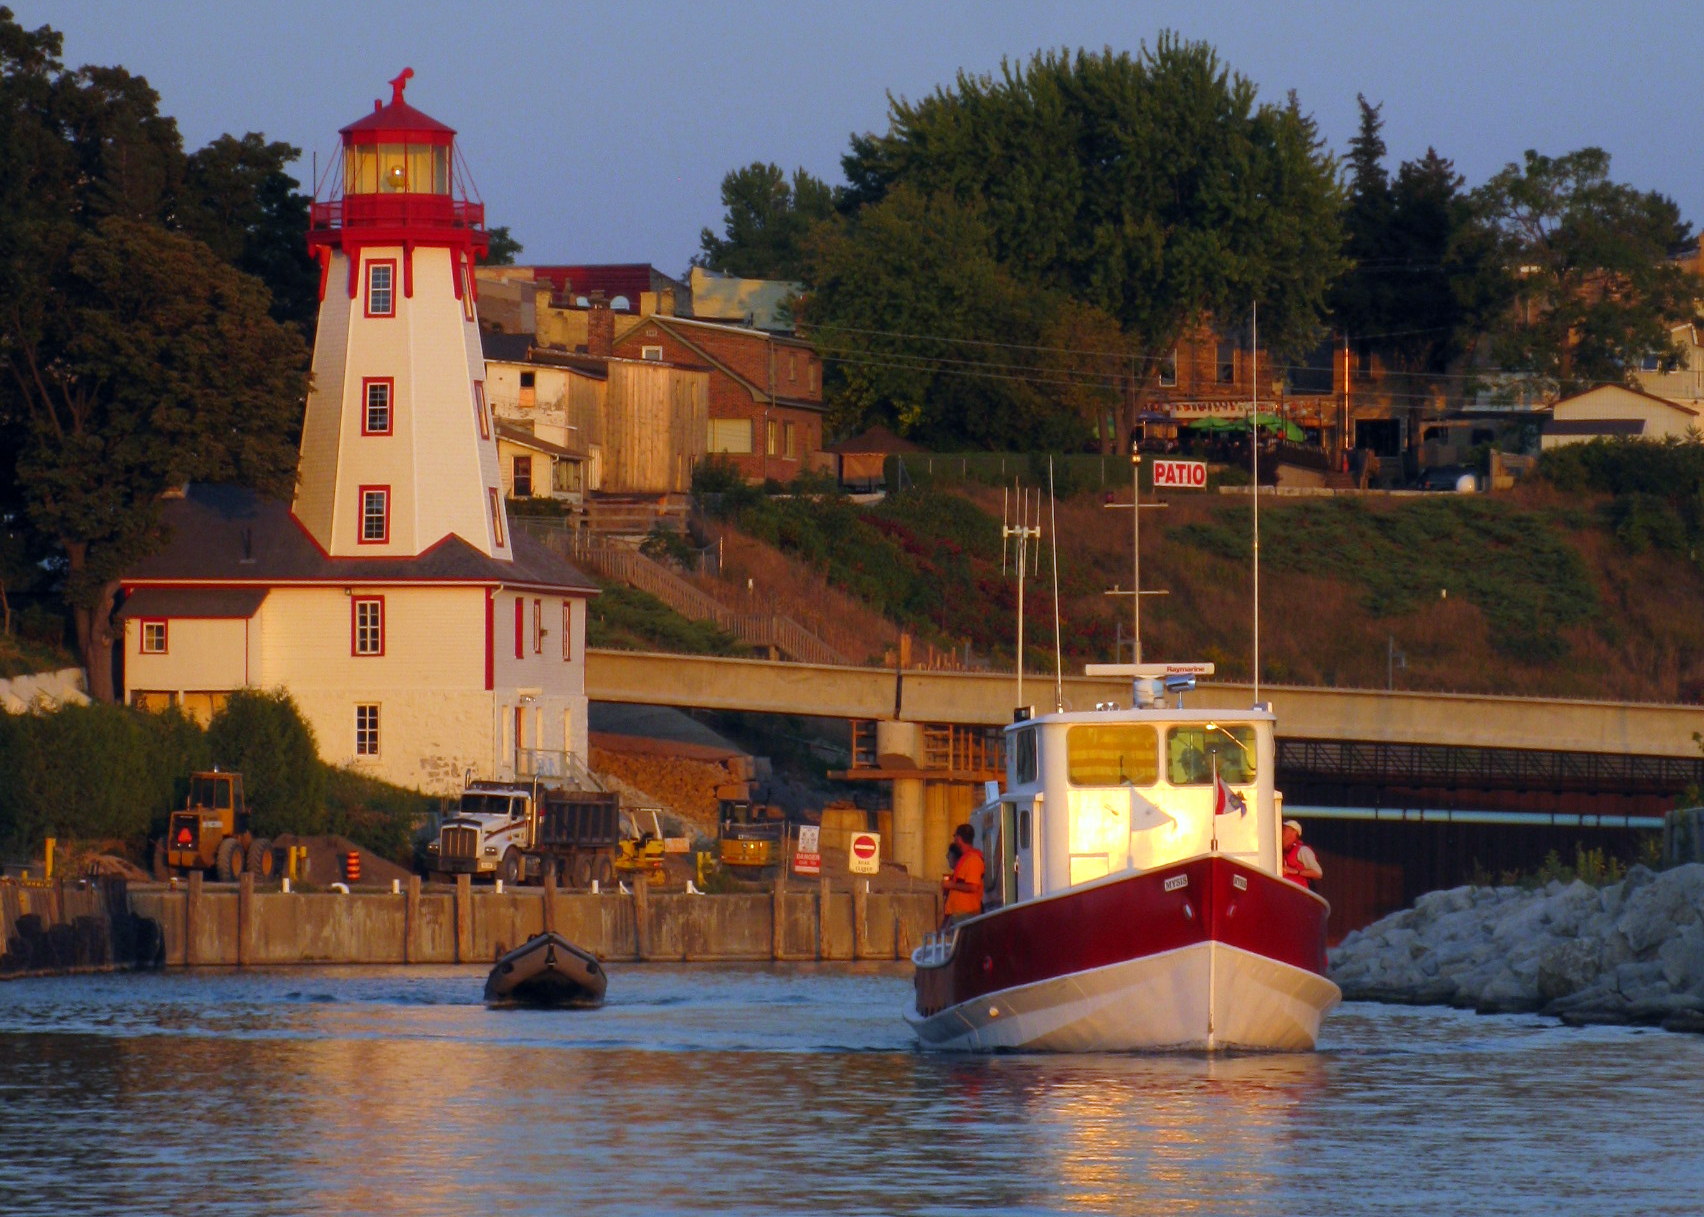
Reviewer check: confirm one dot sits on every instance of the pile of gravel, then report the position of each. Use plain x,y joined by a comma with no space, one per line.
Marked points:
1631,952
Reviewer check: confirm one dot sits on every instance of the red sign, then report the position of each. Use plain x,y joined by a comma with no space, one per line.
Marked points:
864,850
1180,475
807,864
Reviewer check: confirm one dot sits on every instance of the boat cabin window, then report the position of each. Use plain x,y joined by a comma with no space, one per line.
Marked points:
1195,753
1023,828
1023,756
1112,754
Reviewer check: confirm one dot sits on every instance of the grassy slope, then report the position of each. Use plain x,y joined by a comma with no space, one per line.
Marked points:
1526,593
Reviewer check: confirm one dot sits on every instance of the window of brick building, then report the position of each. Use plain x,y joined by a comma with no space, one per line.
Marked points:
730,435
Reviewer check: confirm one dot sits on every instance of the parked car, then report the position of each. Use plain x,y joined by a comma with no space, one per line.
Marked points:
1454,479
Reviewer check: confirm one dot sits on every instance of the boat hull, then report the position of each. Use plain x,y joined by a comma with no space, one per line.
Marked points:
547,971
1205,955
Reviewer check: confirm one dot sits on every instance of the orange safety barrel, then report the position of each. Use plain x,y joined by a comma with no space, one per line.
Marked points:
352,866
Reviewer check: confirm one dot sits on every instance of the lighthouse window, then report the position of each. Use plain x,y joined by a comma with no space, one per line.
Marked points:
381,289
496,517
1112,754
1195,755
375,515
376,415
479,409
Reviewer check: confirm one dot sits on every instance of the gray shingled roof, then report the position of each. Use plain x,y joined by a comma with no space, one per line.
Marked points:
230,535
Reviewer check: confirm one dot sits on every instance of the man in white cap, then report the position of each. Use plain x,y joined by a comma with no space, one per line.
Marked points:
1300,865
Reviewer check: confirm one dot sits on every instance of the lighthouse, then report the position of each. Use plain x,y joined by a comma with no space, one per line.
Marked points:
420,639
397,446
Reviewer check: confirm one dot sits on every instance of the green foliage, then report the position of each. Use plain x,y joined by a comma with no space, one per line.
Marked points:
375,815
504,248
667,545
624,618
766,224
721,489
91,771
1597,286
263,735
1515,565
1657,488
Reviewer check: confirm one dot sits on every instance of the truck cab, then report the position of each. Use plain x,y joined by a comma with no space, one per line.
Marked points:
491,820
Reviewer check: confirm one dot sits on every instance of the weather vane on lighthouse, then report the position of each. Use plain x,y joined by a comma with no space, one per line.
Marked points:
399,83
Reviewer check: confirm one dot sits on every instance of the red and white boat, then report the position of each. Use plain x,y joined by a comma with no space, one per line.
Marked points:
1135,898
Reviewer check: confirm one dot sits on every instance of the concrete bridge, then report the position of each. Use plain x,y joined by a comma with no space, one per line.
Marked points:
976,698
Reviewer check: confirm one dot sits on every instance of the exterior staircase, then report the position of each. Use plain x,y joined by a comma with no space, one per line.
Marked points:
773,632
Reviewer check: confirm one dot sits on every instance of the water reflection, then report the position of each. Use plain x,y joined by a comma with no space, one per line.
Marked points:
739,1090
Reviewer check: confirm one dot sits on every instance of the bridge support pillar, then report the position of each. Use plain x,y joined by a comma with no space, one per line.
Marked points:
937,825
899,745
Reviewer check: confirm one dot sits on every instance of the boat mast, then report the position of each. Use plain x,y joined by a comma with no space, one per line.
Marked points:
1021,533
1254,442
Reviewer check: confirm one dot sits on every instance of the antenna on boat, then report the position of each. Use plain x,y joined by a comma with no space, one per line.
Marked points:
1053,538
1019,537
1254,450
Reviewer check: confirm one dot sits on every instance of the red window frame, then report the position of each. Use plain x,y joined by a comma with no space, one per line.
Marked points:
368,384
520,627
467,291
376,628
369,290
567,629
538,627
361,537
496,514
479,409
142,638
367,728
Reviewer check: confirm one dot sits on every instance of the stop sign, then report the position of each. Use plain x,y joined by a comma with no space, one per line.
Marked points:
864,853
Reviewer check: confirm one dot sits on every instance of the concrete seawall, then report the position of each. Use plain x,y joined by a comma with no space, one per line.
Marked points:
203,924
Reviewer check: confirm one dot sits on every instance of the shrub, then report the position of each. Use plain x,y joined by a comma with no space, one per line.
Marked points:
262,735
375,815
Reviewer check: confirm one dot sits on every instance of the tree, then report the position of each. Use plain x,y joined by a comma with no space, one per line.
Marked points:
926,332
264,737
237,199
1422,282
504,248
1153,188
132,358
1596,288
766,223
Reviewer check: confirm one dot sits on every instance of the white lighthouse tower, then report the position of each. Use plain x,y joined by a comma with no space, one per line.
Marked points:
397,448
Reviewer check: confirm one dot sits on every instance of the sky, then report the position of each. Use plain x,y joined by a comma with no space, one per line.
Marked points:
600,131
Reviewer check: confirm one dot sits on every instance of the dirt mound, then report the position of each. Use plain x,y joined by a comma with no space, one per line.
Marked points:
327,856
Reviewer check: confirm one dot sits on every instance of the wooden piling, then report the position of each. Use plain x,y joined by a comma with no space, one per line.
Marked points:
641,917
245,917
550,897
464,919
411,921
860,918
192,919
822,917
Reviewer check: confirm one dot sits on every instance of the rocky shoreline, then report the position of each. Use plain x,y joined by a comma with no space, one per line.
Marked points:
1629,952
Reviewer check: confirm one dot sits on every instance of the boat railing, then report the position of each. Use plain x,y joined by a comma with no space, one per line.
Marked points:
936,948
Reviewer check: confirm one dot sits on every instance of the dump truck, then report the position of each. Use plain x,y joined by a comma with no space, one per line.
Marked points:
211,833
520,832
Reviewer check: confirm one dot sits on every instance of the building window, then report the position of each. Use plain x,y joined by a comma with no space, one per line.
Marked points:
567,629
538,627
811,368
467,292
367,729
496,517
529,380
770,430
653,353
730,435
381,289
153,637
1168,370
1227,362
368,625
789,441
376,395
520,627
479,409
375,515
792,366
522,488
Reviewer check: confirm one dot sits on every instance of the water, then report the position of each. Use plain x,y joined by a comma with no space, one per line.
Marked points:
795,1088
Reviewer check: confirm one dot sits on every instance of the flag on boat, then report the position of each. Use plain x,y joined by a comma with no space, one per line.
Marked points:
1226,800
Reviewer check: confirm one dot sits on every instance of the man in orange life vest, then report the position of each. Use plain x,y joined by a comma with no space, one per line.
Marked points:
963,887
1300,864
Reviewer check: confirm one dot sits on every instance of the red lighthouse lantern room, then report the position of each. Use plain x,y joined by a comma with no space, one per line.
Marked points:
400,188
